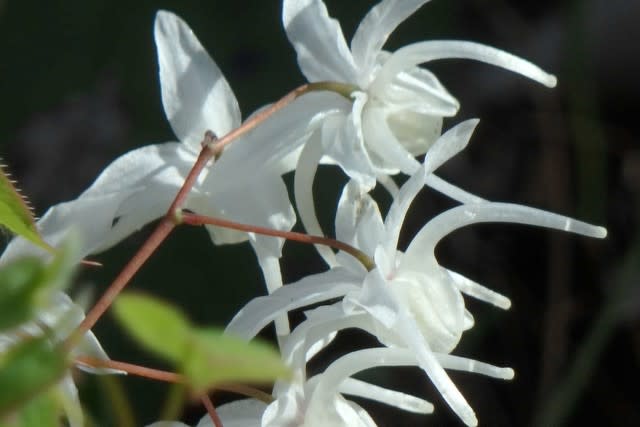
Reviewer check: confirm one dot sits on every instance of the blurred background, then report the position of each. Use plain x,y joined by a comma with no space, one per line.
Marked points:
79,86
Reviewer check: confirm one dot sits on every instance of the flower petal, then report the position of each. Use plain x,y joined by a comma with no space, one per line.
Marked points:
241,413
387,152
344,143
358,219
134,190
424,242
91,218
417,53
260,311
259,199
195,94
398,399
448,145
456,363
269,145
375,28
321,324
356,361
420,90
450,190
303,191
476,290
322,51
68,395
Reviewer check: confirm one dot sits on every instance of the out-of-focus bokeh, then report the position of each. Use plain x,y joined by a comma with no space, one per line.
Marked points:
79,86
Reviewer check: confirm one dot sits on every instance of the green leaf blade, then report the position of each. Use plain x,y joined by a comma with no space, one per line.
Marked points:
28,369
16,215
21,283
42,411
216,358
155,324
205,356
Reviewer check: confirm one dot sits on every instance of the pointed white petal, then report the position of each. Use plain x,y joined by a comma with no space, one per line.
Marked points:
476,290
270,266
260,311
398,399
152,176
469,321
68,394
262,200
134,190
303,190
418,53
321,323
195,94
420,90
448,145
457,363
358,219
424,242
450,190
319,345
322,51
344,143
268,145
389,184
356,361
90,218
387,152
427,360
375,28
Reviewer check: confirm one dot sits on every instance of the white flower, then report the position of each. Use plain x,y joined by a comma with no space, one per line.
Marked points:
319,401
244,184
397,112
60,318
408,301
397,109
314,403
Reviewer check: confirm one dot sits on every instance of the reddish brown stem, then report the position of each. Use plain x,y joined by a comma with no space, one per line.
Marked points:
340,88
211,410
132,369
194,219
206,154
167,224
132,267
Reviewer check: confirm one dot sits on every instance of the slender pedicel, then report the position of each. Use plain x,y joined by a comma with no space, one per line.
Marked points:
194,219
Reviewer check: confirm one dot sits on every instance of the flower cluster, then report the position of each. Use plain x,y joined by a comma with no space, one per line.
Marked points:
373,114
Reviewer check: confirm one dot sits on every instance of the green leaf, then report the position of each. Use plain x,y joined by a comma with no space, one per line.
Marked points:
205,356
16,215
43,411
26,286
27,369
20,286
216,358
155,324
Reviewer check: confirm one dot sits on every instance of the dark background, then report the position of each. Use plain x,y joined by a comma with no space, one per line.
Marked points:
78,83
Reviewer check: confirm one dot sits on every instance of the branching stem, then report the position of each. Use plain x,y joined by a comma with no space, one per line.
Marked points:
194,219
212,148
